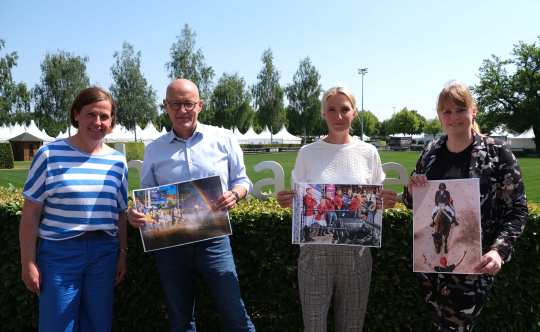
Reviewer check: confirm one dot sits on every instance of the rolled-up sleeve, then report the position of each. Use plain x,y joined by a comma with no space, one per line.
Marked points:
237,168
35,186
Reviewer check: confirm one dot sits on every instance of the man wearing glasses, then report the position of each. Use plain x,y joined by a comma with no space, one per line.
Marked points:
190,151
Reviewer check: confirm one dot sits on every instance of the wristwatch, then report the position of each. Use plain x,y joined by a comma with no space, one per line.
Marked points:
236,196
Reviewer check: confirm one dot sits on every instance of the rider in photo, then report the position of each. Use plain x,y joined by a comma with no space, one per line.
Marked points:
444,201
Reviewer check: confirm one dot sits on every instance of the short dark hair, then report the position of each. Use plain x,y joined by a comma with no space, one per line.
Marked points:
89,96
442,185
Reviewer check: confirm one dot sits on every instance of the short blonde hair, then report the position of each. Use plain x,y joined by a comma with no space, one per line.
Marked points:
459,94
334,91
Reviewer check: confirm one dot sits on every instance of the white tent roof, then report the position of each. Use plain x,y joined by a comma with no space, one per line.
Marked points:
34,130
149,133
401,135
265,134
529,133
7,133
120,134
502,131
366,138
250,137
238,134
65,134
285,137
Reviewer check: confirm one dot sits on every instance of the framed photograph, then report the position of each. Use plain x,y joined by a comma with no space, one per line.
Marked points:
181,213
446,227
337,214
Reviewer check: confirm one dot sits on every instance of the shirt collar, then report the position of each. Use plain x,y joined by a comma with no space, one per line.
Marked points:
200,129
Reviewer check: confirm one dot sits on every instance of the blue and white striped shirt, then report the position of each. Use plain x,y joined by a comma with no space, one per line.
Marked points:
79,191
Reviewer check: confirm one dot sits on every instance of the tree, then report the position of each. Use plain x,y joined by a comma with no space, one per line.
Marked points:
14,97
268,94
303,94
508,91
407,122
246,117
163,120
230,102
371,124
188,63
433,127
385,128
63,76
135,98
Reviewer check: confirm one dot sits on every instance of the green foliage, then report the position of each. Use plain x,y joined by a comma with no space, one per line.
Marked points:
14,97
134,150
135,97
63,76
230,103
433,127
303,112
371,124
508,90
406,122
6,156
266,264
268,94
188,63
163,120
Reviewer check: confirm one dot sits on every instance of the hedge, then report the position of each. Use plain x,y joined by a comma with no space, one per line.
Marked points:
6,156
266,263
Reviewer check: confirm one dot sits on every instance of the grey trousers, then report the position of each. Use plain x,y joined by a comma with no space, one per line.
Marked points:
334,274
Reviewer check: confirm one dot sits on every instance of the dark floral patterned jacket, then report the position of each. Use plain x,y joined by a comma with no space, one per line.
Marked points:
502,195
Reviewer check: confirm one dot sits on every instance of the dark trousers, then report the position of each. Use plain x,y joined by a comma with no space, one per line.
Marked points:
456,300
213,260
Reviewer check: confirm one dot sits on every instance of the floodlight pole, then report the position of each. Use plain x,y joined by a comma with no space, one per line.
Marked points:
363,72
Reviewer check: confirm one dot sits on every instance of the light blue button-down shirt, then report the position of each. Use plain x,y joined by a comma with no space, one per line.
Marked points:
209,151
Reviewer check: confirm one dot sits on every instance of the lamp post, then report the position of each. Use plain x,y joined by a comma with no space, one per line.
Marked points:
363,72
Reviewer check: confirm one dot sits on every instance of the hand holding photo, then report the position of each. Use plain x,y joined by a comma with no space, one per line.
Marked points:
337,214
181,213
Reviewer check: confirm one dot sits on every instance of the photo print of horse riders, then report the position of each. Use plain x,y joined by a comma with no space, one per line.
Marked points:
446,226
337,214
181,213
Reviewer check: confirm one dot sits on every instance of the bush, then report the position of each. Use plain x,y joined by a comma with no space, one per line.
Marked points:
6,155
266,263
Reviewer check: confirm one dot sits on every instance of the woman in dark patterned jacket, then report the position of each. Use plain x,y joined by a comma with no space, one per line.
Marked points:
463,152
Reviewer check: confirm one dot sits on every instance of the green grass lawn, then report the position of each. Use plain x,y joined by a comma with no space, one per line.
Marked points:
529,166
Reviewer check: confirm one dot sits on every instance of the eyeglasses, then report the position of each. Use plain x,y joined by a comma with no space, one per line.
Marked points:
177,105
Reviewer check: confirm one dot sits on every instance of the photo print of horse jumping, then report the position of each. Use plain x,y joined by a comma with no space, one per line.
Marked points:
446,226
337,214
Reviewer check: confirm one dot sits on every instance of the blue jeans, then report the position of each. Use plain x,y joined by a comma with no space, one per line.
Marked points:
77,283
331,218
213,260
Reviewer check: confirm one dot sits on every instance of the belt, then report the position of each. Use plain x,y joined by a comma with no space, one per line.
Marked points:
97,233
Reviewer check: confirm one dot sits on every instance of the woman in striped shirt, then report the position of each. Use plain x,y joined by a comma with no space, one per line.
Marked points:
75,197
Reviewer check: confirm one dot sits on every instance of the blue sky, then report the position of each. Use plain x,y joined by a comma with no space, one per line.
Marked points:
411,48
